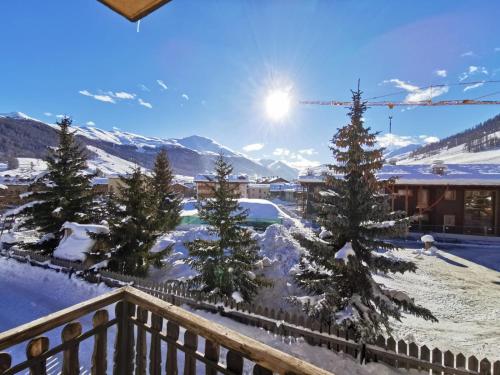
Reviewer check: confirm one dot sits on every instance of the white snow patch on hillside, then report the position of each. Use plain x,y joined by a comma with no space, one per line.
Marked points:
456,155
107,163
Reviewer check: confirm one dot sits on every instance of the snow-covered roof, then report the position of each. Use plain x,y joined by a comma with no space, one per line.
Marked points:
455,174
211,177
259,186
77,244
100,181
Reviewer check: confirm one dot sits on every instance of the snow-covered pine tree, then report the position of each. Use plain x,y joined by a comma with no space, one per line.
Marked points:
226,264
336,271
168,203
131,226
64,193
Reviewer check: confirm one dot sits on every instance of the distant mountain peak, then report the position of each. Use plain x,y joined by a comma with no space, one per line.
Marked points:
18,116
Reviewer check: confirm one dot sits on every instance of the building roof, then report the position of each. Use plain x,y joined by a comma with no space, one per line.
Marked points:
285,187
454,174
134,10
211,177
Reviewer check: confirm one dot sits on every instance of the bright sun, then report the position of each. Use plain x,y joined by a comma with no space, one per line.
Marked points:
277,104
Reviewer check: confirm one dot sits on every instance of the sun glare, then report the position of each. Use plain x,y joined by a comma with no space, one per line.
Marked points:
277,104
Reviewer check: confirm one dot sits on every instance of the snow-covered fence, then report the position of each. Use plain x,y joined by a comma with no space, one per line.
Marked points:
399,354
137,329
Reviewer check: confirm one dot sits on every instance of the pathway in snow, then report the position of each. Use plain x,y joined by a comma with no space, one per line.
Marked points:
464,296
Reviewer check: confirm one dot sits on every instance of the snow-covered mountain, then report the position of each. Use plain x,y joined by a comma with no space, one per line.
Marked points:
280,168
115,151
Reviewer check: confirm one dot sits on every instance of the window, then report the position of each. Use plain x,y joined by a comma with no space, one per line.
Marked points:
478,210
423,198
450,195
449,220
402,192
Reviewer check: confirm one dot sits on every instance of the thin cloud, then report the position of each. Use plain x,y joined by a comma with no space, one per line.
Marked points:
253,147
308,151
90,123
441,73
473,86
472,70
431,139
143,87
416,94
185,96
123,95
102,98
497,49
162,84
145,104
60,116
48,114
281,151
468,54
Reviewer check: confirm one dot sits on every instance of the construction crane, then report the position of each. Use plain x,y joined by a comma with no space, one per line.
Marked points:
392,104
421,103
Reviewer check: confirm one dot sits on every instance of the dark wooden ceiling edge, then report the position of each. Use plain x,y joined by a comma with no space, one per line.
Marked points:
139,15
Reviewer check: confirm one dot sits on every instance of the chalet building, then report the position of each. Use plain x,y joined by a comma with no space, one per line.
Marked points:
186,190
258,191
285,191
454,198
11,194
205,184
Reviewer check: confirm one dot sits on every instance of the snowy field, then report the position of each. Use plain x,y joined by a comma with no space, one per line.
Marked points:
463,295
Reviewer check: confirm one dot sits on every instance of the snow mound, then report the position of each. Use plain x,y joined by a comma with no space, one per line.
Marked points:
281,252
262,209
427,238
76,242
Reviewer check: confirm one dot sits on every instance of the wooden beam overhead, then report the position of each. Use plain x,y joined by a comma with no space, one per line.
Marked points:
134,10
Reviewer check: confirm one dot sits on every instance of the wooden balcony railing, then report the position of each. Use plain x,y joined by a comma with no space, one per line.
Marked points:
142,327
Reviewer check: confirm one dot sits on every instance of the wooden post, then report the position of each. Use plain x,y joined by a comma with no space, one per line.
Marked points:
124,344
140,346
191,345
449,361
402,349
5,362
155,345
234,362
100,353
71,363
413,352
35,348
473,364
485,367
173,335
212,352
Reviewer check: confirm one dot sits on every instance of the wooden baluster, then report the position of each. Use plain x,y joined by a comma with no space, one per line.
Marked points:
35,348
155,349
100,352
5,362
172,335
141,349
234,362
71,363
473,364
402,349
191,345
437,358
413,352
485,367
449,361
259,370
124,342
212,352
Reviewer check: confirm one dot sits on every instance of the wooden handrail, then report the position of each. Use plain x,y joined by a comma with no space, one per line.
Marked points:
249,348
252,349
32,329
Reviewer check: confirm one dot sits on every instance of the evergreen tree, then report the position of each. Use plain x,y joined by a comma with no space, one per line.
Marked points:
225,264
132,230
64,193
354,211
168,203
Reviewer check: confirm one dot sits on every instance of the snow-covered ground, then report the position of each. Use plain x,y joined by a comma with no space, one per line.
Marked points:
461,294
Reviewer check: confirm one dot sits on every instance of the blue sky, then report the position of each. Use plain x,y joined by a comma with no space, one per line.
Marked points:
205,67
